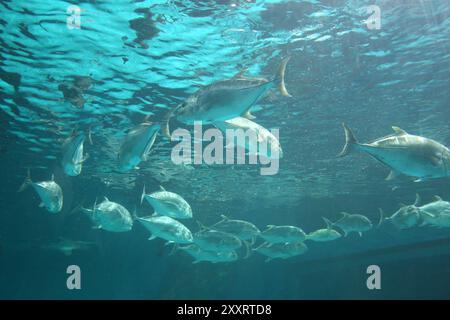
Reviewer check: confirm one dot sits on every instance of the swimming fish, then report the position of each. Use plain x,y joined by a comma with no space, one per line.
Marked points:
436,213
213,240
49,192
323,235
352,223
406,217
225,100
404,153
258,137
242,229
67,246
166,228
281,250
201,255
168,204
283,234
137,145
72,153
110,216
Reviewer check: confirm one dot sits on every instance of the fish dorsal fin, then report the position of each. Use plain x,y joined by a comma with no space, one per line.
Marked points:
401,204
328,223
270,226
345,214
162,188
106,199
399,131
437,198
224,217
53,177
418,200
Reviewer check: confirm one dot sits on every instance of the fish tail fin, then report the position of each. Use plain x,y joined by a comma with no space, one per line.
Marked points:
382,217
165,123
350,141
279,77
27,182
143,194
134,215
328,223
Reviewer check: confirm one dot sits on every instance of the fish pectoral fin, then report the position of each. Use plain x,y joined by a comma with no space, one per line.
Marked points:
152,237
84,159
360,233
41,205
392,175
248,115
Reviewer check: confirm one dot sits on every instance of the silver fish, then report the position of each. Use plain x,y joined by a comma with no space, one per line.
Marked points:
224,100
49,192
283,234
72,154
406,217
352,223
404,153
110,216
244,230
166,228
137,145
281,250
323,235
213,240
168,204
201,255
258,136
436,213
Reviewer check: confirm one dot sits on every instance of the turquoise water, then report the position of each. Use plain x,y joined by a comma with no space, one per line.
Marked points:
143,58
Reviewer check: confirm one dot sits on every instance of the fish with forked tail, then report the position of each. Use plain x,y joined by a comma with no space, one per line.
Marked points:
49,192
225,100
407,154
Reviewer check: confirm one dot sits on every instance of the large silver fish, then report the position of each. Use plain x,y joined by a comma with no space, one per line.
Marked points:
166,228
72,153
406,217
168,204
325,234
136,145
404,153
110,216
214,240
258,137
49,192
352,223
283,234
224,100
281,250
244,230
436,213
